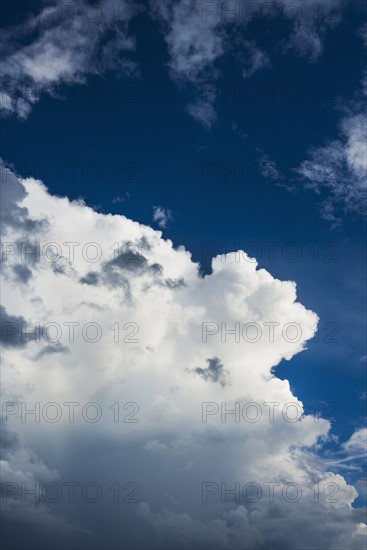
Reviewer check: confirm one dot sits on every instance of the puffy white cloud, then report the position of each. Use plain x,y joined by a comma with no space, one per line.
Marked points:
150,342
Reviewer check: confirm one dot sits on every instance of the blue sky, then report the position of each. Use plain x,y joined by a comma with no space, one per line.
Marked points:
252,134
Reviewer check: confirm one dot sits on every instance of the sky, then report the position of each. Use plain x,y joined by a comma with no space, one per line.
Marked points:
208,161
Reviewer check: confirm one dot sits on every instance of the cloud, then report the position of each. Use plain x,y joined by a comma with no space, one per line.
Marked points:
12,329
66,42
63,44
131,338
340,169
22,468
90,278
22,273
310,23
51,348
200,34
268,168
240,528
162,216
195,42
351,456
12,215
214,372
357,442
203,111
117,200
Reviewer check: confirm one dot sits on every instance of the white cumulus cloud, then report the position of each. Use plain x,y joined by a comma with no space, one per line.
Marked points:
137,308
